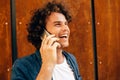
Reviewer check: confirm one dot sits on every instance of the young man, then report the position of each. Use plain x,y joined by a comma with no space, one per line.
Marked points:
49,62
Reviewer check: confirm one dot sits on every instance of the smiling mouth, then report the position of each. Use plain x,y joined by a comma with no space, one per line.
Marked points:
63,36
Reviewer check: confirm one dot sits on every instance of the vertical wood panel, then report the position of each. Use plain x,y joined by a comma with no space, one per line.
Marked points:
108,38
5,40
81,39
81,36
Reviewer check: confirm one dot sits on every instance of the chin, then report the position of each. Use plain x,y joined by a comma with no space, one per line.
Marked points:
65,45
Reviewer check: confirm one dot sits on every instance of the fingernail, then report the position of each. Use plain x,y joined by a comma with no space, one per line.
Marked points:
58,39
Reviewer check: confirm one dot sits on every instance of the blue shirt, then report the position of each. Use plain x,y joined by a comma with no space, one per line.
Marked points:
27,68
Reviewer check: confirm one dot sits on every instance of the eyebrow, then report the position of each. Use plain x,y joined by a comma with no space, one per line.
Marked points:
57,22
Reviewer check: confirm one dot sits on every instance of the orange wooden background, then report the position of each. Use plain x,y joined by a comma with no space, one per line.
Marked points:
107,29
5,40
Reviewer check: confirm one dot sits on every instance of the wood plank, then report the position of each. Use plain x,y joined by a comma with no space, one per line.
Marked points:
108,38
5,41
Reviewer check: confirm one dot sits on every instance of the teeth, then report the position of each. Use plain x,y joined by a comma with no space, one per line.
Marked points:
62,36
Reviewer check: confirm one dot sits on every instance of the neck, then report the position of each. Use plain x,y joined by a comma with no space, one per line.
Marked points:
60,56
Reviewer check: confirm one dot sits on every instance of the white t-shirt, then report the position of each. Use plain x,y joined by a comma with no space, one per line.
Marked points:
63,72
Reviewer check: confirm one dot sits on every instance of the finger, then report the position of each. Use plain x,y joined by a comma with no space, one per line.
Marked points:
43,40
52,41
46,39
56,44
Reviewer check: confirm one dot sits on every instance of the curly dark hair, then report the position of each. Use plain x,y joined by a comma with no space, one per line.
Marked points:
38,21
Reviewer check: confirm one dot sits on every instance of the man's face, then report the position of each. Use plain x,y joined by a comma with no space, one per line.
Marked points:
57,24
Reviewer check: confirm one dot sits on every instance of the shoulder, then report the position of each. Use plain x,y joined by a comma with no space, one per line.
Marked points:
24,67
21,64
32,60
28,60
24,60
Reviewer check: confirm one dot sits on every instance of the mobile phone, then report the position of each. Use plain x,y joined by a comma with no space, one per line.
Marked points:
45,33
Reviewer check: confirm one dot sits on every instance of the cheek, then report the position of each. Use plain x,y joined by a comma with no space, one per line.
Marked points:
69,30
56,32
52,30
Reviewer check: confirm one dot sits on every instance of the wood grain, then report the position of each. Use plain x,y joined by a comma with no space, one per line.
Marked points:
81,37
108,38
5,40
107,28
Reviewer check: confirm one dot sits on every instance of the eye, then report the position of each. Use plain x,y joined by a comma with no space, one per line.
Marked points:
57,24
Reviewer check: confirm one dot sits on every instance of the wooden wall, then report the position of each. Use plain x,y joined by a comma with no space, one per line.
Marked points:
108,38
5,40
107,29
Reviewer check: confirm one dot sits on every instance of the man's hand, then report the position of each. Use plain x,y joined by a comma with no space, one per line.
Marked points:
48,49
48,52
